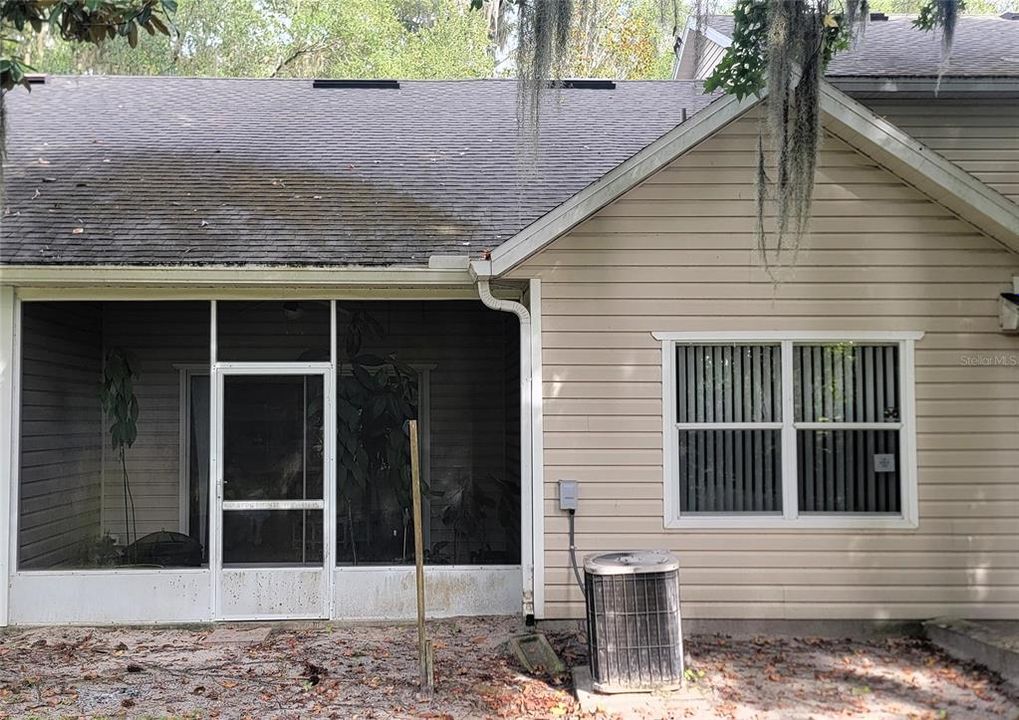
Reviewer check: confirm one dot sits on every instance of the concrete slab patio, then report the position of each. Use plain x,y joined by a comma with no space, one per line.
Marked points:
991,643
318,670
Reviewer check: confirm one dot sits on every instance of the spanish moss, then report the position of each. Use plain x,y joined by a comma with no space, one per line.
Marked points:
543,32
785,46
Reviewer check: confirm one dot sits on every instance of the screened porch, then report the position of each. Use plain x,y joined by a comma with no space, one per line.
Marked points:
308,434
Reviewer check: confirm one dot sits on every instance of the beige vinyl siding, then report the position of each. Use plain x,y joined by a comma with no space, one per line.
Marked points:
677,253
981,137
711,55
61,433
697,63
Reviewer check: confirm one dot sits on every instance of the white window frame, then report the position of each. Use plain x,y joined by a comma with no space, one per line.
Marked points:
790,517
185,372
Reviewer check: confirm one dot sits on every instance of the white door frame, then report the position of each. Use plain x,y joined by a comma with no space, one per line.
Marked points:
218,374
217,371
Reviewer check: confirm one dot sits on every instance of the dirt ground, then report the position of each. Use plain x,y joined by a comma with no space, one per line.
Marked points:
359,671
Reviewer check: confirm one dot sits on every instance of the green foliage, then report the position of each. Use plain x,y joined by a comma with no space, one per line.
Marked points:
741,70
786,46
935,14
293,38
941,14
118,399
78,21
120,405
623,39
470,507
373,404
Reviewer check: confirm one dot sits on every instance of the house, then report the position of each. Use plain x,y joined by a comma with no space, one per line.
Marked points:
292,269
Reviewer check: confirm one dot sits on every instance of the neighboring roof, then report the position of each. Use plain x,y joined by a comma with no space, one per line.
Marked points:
722,23
919,166
984,46
178,171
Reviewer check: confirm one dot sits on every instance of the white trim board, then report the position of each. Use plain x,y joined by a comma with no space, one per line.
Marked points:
538,453
939,179
895,88
710,33
9,428
220,277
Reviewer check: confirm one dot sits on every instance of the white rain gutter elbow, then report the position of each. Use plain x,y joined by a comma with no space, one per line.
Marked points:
511,306
526,471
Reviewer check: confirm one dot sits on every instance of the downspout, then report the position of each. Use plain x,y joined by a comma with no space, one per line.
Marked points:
526,523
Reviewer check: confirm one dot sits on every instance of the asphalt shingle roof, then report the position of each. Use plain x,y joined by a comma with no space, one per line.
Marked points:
984,46
159,170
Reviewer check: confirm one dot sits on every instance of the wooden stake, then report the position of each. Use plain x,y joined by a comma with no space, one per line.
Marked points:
424,644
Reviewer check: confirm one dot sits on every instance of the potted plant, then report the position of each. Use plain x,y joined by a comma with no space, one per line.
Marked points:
120,406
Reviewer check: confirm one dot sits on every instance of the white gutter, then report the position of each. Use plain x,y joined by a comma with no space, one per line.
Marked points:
526,499
229,276
859,86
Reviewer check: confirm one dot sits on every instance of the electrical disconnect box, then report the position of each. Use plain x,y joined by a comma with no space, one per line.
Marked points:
567,494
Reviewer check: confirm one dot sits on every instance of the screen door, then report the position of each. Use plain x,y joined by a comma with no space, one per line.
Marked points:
273,491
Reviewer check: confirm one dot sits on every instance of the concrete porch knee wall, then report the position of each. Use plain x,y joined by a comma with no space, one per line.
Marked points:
168,597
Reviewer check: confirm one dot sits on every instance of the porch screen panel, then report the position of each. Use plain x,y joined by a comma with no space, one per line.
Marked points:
728,414
847,415
273,331
461,362
272,435
273,451
79,506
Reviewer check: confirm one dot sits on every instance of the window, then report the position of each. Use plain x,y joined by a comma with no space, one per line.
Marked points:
804,429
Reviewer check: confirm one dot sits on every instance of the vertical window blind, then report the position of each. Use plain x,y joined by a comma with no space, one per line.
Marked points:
846,402
729,410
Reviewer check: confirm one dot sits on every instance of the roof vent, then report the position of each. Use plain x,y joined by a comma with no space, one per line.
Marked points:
878,17
1010,16
577,84
362,84
35,79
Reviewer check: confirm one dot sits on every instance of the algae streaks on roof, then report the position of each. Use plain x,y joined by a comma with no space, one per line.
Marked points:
164,170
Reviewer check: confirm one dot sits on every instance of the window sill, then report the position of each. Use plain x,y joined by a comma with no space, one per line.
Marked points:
804,522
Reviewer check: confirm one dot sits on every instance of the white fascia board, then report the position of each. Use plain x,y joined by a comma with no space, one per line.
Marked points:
230,275
909,159
677,62
617,181
931,88
230,282
719,38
